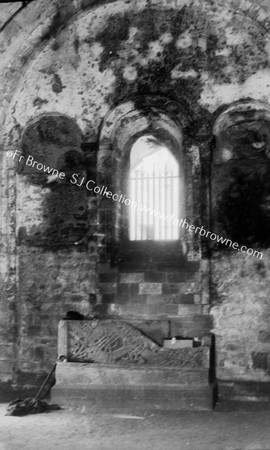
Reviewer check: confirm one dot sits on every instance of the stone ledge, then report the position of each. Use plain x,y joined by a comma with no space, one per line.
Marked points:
136,399
133,387
255,391
104,375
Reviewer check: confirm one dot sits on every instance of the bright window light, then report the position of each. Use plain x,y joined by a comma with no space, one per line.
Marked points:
154,186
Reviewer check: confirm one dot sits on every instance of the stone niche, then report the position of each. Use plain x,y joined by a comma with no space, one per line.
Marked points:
51,149
241,175
147,278
56,269
240,280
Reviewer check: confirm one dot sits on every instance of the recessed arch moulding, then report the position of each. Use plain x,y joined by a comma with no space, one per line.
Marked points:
255,114
208,54
240,206
53,141
241,172
122,127
48,216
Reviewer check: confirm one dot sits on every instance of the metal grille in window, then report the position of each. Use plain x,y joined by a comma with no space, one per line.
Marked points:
154,187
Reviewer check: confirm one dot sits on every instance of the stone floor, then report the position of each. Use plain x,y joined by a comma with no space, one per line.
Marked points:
244,427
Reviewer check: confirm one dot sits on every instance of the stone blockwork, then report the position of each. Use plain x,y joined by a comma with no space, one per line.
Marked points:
152,294
72,74
67,284
240,281
241,316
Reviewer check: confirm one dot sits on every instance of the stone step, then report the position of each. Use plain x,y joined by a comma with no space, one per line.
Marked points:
138,388
142,273
90,374
152,276
141,263
150,293
137,399
138,309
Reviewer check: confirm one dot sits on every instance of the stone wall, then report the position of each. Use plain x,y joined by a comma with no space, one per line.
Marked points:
240,291
64,66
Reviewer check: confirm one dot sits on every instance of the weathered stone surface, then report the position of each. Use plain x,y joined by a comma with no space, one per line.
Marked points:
82,374
244,390
157,330
260,360
64,66
189,310
128,278
240,310
264,336
118,342
138,398
150,288
136,388
196,326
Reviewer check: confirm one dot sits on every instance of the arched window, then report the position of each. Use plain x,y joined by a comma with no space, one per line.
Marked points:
154,187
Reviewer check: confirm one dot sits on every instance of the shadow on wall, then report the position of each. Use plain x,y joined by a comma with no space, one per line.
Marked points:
54,142
241,175
244,210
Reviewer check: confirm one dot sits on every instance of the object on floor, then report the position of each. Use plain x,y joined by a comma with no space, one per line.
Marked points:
34,405
29,406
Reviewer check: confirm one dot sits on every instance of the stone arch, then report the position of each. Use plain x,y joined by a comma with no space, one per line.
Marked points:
124,123
121,128
246,109
36,24
241,172
51,153
59,137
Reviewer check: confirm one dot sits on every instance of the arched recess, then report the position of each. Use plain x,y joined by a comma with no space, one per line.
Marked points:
50,152
241,173
122,127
